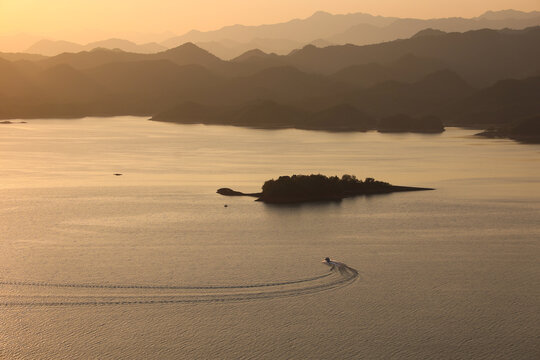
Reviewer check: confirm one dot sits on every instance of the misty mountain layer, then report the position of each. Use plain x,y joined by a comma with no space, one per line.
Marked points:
481,78
321,29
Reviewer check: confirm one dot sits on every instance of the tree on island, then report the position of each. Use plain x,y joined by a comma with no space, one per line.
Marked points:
306,188
318,187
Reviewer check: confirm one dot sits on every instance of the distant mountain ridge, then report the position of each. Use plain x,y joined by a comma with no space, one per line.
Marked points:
185,54
53,48
340,29
481,56
509,14
321,29
317,26
480,77
404,28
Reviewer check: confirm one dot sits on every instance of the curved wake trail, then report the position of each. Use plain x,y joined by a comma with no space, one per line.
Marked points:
187,295
157,287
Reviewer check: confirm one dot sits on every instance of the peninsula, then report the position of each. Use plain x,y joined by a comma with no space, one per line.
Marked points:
311,188
523,130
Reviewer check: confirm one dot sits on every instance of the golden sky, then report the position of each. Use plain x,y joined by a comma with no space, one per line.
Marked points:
87,20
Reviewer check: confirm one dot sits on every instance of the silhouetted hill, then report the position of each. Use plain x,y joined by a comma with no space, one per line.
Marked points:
228,49
281,84
443,84
322,29
523,130
343,117
320,43
526,129
423,97
21,56
14,84
419,98
126,45
509,14
365,75
188,54
258,114
318,26
272,115
418,77
191,113
254,61
406,123
359,29
53,92
407,68
225,50
251,55
503,102
264,114
28,68
151,75
482,56
428,32
362,34
64,84
150,86
56,47
90,59
413,68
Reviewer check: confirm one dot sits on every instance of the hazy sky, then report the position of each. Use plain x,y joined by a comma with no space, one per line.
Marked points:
86,20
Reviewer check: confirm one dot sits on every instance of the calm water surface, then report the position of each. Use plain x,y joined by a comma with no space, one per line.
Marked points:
452,273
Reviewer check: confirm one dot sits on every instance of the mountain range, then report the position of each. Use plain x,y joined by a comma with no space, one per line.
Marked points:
321,29
482,57
357,29
52,47
476,78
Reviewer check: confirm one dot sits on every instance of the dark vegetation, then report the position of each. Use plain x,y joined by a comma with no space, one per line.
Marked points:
482,78
309,188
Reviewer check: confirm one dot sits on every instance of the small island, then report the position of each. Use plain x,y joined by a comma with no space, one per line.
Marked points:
8,122
311,188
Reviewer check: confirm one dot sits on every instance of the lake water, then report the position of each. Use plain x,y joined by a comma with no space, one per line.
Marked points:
137,266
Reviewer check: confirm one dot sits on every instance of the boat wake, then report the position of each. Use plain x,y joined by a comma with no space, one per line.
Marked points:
32,293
